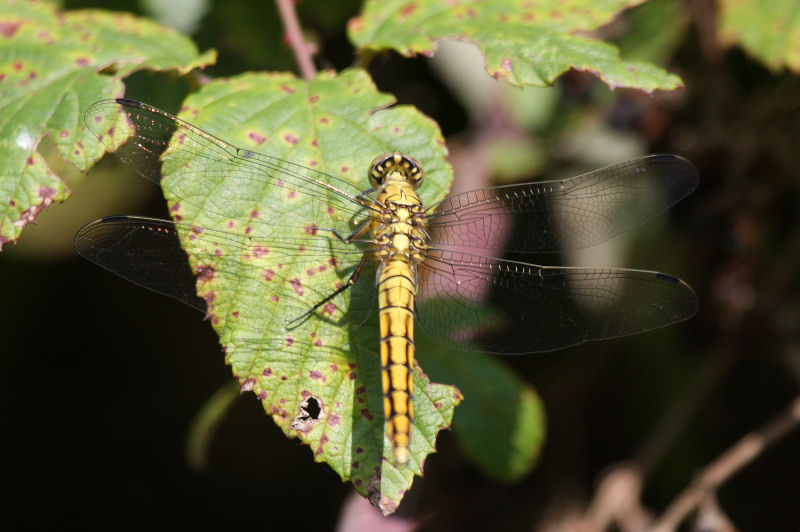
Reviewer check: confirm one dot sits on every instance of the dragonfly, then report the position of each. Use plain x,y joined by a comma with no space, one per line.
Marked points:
434,265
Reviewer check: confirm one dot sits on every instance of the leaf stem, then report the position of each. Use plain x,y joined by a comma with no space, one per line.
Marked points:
294,37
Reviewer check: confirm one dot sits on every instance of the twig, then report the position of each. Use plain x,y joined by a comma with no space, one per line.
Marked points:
731,461
294,37
710,375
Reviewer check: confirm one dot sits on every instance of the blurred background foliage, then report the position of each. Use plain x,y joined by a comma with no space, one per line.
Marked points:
97,399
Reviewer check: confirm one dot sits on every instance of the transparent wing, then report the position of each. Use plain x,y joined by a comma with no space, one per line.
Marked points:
286,276
220,178
573,213
540,308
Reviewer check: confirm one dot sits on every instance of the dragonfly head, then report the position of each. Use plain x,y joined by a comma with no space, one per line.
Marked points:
395,167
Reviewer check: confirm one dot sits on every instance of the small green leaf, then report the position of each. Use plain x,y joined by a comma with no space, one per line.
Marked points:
501,424
266,254
524,42
49,64
655,31
767,29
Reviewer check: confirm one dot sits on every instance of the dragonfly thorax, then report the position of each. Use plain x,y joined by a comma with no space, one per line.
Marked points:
395,167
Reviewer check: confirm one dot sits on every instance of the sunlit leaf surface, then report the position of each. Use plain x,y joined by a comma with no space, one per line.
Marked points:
527,43
49,63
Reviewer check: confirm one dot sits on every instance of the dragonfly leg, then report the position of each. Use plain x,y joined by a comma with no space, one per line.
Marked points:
355,235
350,282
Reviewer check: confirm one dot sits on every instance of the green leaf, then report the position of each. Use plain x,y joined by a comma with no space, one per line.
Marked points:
769,30
265,255
655,31
49,74
501,424
524,42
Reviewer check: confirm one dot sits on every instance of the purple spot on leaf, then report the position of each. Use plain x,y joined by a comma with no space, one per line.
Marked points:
298,286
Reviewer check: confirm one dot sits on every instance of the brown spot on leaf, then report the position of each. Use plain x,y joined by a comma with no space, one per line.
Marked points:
289,343
268,274
298,286
267,372
260,251
317,375
8,28
249,384
255,137
291,139
204,273
408,10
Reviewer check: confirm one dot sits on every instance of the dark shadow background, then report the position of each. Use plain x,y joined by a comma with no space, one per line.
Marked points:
101,379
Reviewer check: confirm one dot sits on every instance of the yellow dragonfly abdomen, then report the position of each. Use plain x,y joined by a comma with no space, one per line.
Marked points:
398,230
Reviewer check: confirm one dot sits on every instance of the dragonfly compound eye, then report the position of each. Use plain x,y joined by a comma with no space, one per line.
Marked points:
395,167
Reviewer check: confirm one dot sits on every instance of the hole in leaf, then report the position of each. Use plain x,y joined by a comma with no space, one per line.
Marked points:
308,413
